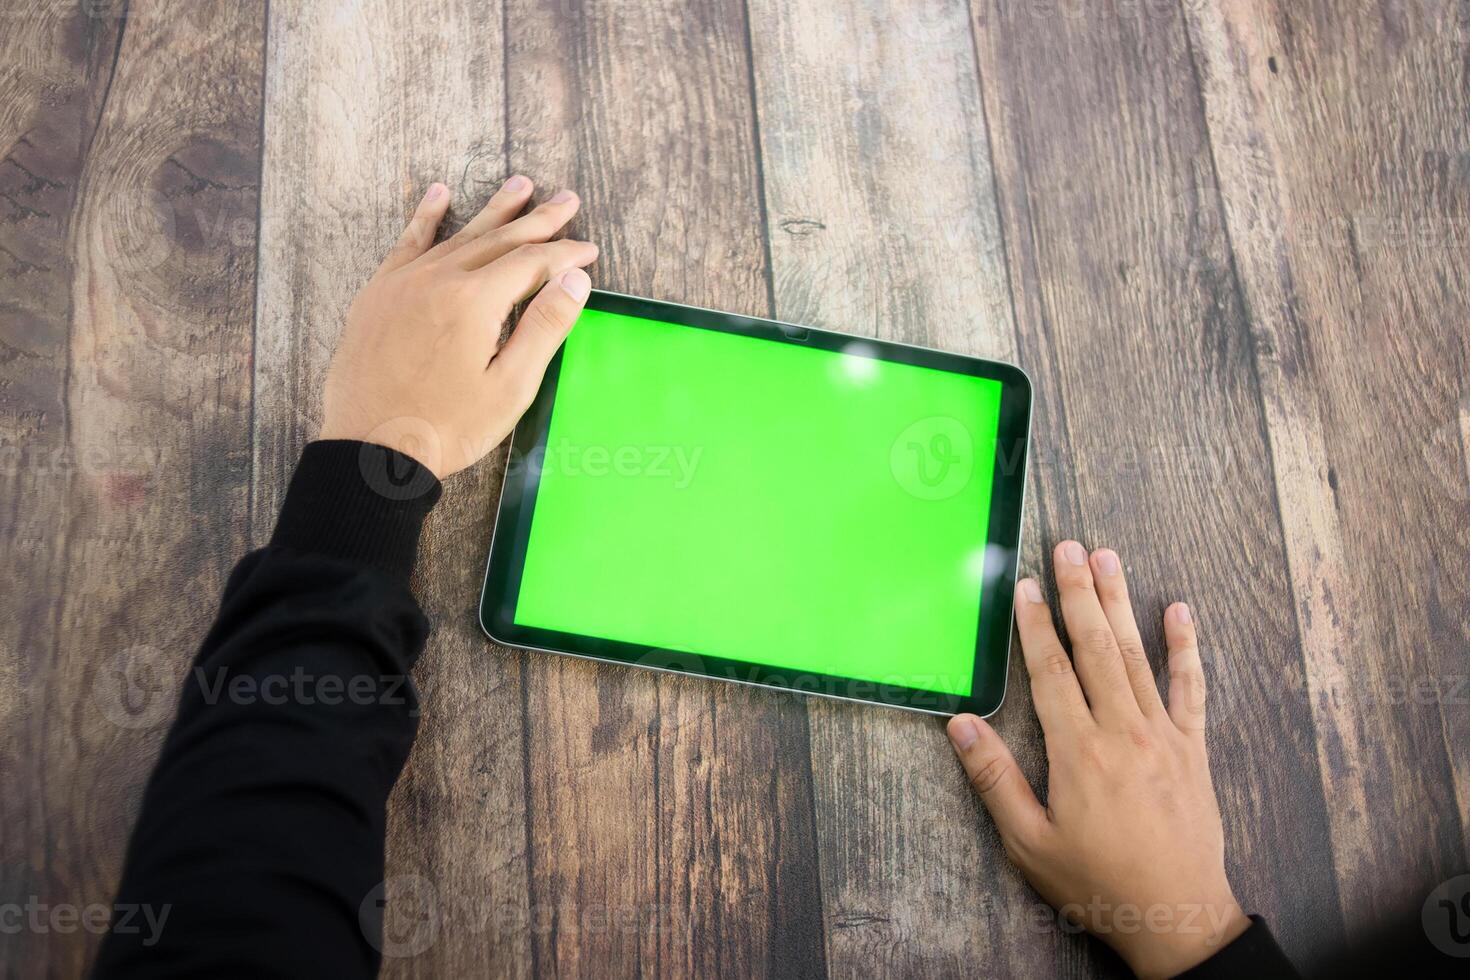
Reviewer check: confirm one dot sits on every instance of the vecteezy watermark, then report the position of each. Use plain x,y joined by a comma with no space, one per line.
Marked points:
1101,917
139,687
1077,10
893,686
1104,918
400,916
111,459
1444,453
301,687
123,918
1446,917
1338,690
404,915
404,471
676,465
933,458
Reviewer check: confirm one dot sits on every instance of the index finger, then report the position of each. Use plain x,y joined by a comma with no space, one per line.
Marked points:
1055,690
419,234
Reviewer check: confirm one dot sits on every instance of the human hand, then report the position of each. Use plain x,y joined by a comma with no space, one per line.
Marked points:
418,367
1129,844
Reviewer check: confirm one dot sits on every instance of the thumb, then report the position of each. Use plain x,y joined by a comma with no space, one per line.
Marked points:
996,777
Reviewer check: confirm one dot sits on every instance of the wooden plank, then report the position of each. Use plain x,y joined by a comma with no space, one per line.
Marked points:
393,100
54,67
132,171
1340,143
883,221
671,823
670,820
1111,210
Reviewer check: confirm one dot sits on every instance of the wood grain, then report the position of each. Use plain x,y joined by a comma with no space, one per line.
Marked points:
1227,238
137,284
1138,323
370,103
52,86
678,810
883,221
1343,166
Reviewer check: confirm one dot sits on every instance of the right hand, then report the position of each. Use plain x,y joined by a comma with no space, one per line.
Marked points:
1129,844
418,367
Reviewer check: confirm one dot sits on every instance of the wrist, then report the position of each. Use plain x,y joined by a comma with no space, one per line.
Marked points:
358,502
1199,932
413,437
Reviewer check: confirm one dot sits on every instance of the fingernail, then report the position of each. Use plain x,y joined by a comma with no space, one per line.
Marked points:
1181,612
562,197
1030,591
964,731
1107,562
576,283
517,183
435,192
1074,553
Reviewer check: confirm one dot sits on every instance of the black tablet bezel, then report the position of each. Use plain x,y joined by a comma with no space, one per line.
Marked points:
509,542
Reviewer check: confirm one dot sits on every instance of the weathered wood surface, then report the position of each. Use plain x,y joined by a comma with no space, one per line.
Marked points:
1138,330
1347,203
881,199
689,802
131,166
1228,239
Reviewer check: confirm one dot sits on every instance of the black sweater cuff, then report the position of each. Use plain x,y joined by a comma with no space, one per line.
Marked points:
358,502
1254,953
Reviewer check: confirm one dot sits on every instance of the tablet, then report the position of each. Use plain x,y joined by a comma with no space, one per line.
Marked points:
766,503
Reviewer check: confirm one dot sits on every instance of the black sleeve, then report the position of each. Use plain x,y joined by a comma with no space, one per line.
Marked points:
260,839
1254,954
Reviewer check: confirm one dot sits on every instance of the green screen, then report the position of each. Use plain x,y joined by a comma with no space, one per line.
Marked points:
810,510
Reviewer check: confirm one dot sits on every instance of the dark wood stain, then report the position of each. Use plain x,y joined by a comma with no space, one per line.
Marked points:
1227,241
131,166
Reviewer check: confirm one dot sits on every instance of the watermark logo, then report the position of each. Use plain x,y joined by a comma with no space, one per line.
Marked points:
1196,213
404,915
137,688
309,690
675,465
395,477
1446,917
672,660
400,916
124,918
1444,451
933,458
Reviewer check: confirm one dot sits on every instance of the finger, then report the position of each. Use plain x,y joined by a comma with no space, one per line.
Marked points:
1055,691
502,207
997,779
1112,592
1094,648
538,226
419,234
520,273
1186,672
521,363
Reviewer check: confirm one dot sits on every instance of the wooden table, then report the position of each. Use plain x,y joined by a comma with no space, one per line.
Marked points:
1228,240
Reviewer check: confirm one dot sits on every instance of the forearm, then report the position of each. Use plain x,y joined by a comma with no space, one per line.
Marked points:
261,831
